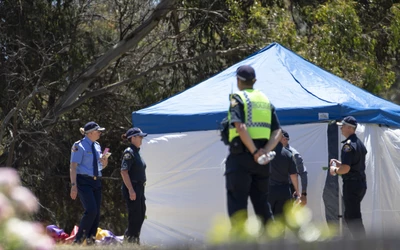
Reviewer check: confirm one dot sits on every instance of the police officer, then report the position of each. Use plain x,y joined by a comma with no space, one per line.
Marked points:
254,130
301,169
352,169
283,167
85,174
133,172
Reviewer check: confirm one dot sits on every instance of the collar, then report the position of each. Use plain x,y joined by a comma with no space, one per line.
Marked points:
134,148
90,142
351,137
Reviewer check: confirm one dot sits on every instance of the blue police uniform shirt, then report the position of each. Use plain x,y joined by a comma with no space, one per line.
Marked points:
134,163
282,166
81,153
353,154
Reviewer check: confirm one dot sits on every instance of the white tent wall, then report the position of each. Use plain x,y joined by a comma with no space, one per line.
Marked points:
185,188
381,204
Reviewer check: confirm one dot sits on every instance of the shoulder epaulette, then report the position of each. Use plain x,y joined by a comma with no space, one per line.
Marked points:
75,147
128,149
128,154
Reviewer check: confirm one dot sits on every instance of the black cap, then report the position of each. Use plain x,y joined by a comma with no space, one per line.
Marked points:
285,134
135,132
92,126
348,120
245,73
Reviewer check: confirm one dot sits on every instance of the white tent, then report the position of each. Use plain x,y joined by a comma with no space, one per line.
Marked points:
186,188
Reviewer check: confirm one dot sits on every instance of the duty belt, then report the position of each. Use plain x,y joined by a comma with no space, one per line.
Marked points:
354,179
139,182
90,176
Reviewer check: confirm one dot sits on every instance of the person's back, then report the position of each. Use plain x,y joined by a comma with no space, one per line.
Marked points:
301,169
282,167
254,130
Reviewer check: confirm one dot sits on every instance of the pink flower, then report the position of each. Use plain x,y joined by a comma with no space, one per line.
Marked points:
25,200
6,210
30,234
9,178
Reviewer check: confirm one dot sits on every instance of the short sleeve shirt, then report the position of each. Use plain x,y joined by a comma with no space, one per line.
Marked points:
282,166
134,164
81,153
353,154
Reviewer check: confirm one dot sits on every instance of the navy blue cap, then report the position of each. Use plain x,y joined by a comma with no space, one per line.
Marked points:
285,134
245,73
348,120
92,126
135,132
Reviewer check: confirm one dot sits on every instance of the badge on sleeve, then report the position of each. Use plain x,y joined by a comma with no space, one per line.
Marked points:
74,148
127,156
233,102
346,148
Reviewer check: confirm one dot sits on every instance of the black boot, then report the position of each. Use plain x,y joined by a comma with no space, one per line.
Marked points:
77,242
90,241
133,240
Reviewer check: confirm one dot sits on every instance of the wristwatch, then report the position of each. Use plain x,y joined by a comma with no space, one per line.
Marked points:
304,194
255,151
72,184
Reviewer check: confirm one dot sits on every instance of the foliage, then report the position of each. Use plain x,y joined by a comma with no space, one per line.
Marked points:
51,82
245,228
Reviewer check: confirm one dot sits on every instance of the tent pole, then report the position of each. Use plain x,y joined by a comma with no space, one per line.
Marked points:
340,215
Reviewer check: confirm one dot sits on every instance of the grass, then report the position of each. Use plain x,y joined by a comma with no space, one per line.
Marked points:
99,247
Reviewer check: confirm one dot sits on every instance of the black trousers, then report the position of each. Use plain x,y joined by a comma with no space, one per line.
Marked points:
353,193
89,192
244,178
278,196
136,210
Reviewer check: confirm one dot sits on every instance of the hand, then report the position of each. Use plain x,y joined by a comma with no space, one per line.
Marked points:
104,161
259,153
296,194
303,200
297,197
132,195
74,192
334,160
332,170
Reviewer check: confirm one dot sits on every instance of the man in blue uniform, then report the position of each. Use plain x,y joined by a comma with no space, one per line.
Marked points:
254,130
85,174
352,169
301,169
283,167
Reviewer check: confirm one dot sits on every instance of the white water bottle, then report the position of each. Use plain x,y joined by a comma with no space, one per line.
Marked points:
333,165
263,159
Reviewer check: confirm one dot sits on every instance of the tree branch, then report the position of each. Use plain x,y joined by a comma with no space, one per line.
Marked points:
131,41
113,86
